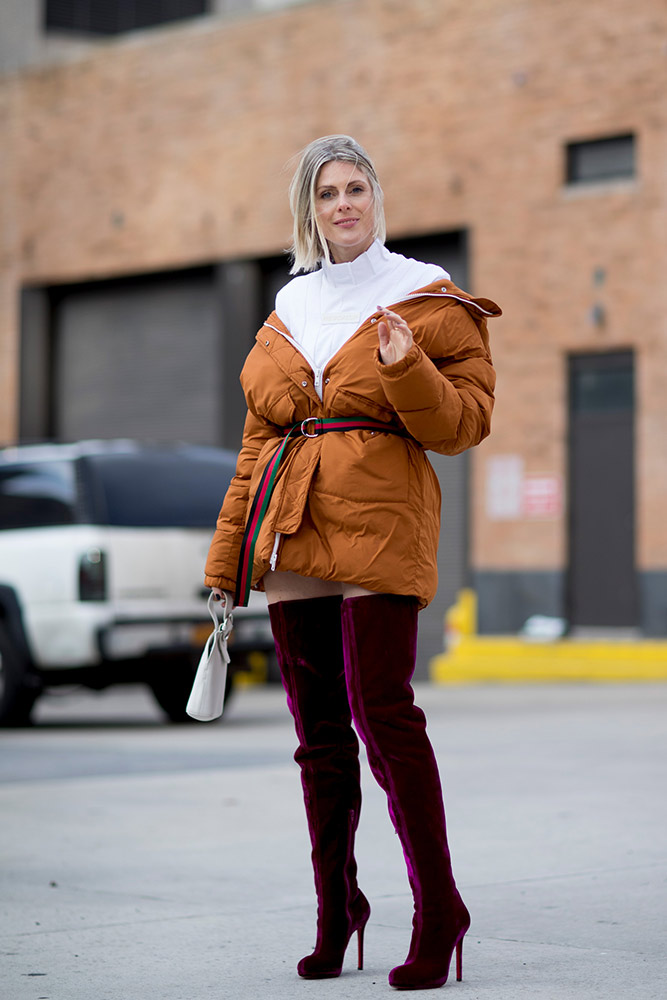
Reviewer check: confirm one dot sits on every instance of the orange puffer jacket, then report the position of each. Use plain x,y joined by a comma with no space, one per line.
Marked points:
359,506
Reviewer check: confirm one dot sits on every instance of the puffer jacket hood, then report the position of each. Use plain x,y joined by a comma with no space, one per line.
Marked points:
360,506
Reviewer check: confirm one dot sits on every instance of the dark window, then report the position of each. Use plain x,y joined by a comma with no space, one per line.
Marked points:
158,489
601,383
111,17
37,496
600,160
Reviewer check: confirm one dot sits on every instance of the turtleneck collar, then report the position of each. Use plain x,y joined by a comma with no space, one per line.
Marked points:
356,271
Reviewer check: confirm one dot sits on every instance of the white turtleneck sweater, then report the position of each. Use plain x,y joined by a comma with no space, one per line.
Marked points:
324,308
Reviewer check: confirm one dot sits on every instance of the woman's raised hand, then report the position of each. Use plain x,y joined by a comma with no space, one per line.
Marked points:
395,336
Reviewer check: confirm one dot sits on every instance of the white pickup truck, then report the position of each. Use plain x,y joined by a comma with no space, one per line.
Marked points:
102,550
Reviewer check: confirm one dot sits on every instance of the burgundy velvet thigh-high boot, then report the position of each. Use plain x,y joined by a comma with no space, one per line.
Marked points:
310,654
380,641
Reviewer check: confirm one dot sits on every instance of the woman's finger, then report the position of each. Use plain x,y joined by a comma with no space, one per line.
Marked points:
397,322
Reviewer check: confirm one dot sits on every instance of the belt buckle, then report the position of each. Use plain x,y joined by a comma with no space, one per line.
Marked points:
307,421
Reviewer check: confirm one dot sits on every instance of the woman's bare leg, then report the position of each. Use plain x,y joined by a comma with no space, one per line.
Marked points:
352,590
287,586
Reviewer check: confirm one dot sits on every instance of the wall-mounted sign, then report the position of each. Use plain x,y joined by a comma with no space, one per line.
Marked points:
512,494
504,482
542,496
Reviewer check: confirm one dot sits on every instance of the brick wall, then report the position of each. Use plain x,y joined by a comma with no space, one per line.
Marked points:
172,148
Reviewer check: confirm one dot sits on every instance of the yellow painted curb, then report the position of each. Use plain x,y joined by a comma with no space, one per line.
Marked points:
500,660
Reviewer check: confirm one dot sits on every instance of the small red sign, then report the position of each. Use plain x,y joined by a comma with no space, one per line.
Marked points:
542,496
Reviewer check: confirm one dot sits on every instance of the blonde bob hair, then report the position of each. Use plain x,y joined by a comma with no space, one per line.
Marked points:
309,247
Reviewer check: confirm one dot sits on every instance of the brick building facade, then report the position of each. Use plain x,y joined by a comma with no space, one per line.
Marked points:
160,160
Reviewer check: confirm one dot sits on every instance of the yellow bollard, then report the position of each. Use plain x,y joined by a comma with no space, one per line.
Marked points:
461,618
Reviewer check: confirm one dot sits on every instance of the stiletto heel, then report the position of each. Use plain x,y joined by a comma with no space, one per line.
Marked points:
459,960
360,947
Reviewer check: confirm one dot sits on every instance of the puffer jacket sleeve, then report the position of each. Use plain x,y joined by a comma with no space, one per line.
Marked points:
445,402
223,555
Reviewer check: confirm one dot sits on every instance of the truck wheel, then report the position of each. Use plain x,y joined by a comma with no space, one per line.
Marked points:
17,694
171,684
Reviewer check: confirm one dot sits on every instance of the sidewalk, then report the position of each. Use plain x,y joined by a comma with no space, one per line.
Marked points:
172,863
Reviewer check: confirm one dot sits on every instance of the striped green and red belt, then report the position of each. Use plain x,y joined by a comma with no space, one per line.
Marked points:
311,427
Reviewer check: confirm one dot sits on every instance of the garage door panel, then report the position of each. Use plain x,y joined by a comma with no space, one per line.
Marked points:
141,361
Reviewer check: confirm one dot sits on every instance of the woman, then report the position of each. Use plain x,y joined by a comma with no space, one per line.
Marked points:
335,511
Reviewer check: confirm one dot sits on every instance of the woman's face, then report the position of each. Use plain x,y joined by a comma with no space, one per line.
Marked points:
345,209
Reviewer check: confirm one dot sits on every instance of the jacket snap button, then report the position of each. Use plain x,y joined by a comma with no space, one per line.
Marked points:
304,384
443,289
326,381
373,319
267,342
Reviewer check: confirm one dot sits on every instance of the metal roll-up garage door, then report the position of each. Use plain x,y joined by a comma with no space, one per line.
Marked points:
139,358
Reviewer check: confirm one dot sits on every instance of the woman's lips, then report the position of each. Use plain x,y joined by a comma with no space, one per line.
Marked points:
346,223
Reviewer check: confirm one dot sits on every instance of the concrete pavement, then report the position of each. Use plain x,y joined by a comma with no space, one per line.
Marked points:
141,860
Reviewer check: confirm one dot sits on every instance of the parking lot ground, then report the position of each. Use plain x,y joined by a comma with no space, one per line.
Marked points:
142,860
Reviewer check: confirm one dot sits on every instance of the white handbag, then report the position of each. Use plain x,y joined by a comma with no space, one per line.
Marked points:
207,697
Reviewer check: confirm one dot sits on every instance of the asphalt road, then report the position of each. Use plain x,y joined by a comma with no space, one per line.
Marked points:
142,860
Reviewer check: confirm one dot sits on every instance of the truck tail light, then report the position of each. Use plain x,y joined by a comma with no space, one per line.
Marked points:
93,576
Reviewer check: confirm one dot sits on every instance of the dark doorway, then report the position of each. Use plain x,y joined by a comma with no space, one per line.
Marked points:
602,578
